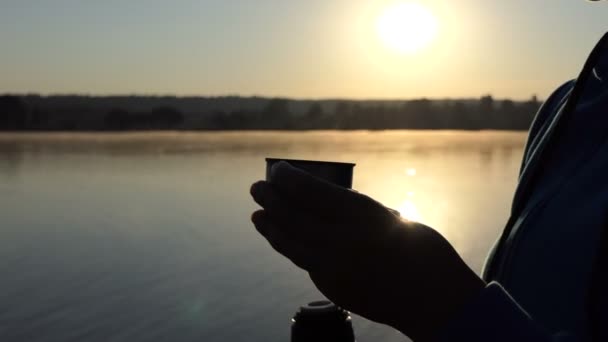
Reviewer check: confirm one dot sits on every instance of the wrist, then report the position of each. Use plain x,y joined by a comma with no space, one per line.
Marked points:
448,299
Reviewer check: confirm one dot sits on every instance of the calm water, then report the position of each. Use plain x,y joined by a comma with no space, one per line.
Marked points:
146,237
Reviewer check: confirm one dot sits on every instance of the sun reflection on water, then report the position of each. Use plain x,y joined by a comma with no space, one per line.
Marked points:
409,211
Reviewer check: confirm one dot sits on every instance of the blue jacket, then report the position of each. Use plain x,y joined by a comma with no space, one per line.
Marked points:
548,273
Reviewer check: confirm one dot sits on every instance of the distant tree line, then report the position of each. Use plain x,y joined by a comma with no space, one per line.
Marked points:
18,113
158,118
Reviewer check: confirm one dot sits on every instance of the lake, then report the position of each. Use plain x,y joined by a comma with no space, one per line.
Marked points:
146,236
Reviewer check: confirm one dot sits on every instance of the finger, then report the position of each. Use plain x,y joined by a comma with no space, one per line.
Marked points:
394,212
303,257
295,222
311,227
314,194
277,205
268,198
257,191
300,227
257,218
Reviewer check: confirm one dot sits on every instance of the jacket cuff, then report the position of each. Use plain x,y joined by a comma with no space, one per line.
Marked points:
494,316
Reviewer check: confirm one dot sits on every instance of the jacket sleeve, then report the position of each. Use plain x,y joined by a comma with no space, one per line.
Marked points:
495,316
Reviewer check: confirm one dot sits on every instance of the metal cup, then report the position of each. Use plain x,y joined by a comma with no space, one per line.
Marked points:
338,173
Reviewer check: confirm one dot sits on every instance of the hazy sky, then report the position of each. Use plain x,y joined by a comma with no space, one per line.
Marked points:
295,48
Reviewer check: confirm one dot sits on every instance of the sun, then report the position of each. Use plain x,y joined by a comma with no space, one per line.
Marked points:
407,27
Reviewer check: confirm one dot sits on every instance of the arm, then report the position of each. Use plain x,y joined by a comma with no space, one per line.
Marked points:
362,256
392,271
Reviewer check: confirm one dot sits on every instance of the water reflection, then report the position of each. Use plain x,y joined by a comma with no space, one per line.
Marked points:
409,211
11,156
421,145
411,172
147,237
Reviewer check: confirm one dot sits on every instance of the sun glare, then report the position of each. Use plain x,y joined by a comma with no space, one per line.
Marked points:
409,211
407,27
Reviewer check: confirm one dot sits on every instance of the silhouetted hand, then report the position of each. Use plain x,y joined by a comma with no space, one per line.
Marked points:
362,256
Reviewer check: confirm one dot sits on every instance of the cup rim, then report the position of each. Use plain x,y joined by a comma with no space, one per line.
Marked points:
303,161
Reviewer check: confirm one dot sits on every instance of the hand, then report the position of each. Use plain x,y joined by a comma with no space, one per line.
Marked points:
362,256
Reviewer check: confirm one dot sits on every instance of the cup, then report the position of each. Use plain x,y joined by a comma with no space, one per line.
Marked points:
337,173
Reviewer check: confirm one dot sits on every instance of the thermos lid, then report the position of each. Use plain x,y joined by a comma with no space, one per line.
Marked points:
321,311
319,307
322,321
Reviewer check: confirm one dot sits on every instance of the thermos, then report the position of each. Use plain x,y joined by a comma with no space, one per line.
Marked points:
322,321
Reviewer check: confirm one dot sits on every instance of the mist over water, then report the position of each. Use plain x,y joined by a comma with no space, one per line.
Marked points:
146,236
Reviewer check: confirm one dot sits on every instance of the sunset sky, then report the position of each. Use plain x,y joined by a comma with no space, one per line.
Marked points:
300,49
